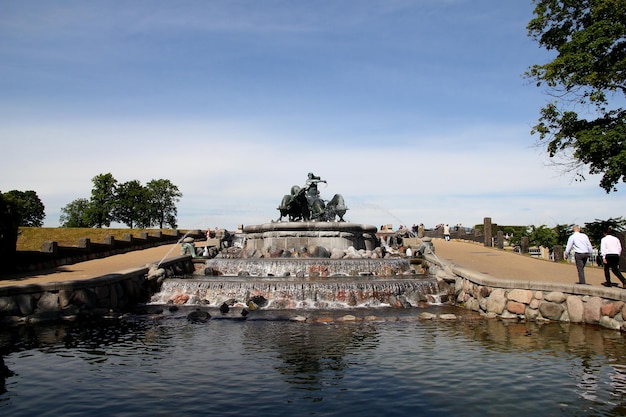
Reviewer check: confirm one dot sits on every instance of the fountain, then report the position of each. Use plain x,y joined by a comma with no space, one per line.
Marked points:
315,259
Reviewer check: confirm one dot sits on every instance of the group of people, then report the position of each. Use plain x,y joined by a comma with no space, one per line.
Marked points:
446,229
211,234
610,250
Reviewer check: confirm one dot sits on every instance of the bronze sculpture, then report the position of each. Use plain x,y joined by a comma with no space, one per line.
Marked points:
305,204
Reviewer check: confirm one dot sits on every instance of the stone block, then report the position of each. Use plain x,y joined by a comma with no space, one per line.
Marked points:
521,296
515,307
550,310
48,302
575,308
496,301
26,304
592,310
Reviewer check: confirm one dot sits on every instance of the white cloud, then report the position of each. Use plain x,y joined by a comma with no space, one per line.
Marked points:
414,111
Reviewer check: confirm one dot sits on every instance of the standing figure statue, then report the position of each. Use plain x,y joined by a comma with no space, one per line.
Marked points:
305,204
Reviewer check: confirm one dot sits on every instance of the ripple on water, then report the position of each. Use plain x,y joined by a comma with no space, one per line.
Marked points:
271,366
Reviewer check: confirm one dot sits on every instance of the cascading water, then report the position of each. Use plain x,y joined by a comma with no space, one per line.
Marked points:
291,293
307,267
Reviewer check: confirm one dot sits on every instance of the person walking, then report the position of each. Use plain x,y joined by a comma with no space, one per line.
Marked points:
611,249
446,233
579,243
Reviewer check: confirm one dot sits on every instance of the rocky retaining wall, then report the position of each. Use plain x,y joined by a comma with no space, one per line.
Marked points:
533,301
105,296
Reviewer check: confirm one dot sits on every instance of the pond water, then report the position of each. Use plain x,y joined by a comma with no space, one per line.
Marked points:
267,365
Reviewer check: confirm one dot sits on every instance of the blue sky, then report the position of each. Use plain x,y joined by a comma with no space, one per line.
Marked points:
416,111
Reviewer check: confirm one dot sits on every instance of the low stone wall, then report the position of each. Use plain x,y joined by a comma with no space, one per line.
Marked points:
533,301
107,295
53,255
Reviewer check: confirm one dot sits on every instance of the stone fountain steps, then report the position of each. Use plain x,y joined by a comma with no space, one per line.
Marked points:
280,293
307,267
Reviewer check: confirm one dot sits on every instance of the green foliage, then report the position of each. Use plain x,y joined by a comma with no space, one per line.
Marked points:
74,214
9,225
542,236
132,205
558,235
30,209
129,203
101,204
163,198
515,233
562,233
595,230
589,38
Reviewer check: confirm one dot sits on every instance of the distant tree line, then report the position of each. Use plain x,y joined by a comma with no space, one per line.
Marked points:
548,237
129,203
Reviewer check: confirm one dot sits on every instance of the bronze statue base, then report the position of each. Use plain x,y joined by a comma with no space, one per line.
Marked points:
296,235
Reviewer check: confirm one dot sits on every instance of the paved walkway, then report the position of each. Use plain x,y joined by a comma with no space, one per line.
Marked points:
493,262
94,268
508,265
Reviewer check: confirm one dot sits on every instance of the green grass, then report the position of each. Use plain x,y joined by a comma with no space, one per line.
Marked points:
31,238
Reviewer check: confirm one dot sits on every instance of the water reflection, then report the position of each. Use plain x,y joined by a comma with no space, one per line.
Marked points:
311,354
267,364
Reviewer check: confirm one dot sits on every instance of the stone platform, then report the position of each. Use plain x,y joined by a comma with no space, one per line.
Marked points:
296,235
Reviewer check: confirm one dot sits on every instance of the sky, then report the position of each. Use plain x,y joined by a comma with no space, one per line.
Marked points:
416,111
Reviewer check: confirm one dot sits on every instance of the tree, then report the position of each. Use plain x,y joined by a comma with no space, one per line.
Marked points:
588,72
30,209
132,205
9,226
163,198
563,231
74,214
595,230
102,201
129,203
542,236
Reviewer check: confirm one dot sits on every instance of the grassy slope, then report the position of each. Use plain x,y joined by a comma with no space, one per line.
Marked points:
31,238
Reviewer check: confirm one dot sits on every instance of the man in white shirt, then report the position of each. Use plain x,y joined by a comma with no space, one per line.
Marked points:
446,232
611,249
581,246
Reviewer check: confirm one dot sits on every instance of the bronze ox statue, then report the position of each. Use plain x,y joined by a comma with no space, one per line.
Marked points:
305,204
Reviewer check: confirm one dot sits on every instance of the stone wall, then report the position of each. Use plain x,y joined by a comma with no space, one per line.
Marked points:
533,301
105,296
53,255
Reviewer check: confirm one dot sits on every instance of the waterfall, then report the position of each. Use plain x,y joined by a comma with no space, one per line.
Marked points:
292,293
305,267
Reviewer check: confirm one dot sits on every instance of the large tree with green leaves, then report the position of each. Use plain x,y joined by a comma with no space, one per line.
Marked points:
9,226
129,203
163,198
102,201
30,209
542,236
584,124
595,230
74,214
132,204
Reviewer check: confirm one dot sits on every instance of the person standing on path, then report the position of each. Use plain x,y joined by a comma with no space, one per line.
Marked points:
579,243
611,249
446,233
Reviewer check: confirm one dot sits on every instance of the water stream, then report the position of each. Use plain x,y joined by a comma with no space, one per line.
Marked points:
296,293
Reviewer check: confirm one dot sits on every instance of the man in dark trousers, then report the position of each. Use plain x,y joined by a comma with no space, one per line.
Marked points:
611,249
